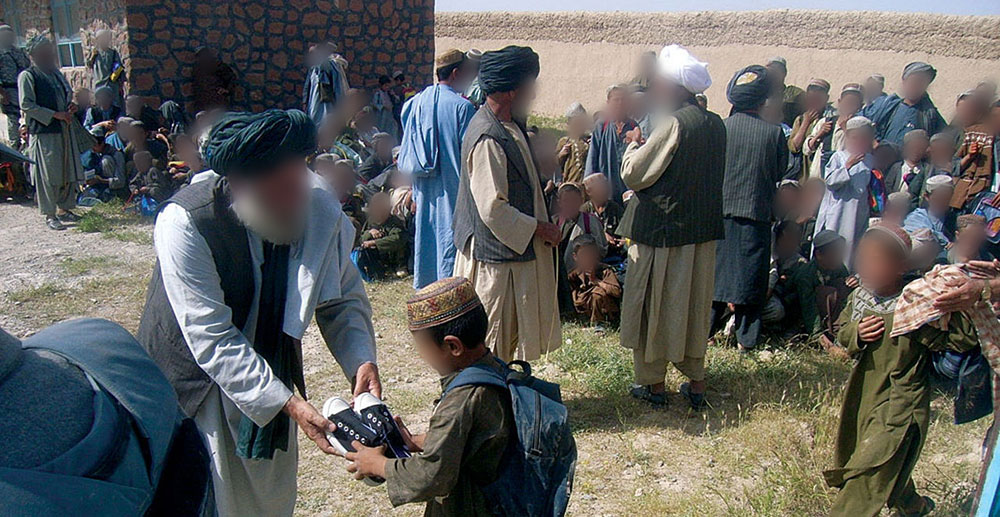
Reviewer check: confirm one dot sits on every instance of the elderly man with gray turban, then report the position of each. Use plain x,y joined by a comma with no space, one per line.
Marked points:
912,108
245,259
672,221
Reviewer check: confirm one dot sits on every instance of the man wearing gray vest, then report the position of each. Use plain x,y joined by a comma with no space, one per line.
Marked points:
501,226
245,259
673,221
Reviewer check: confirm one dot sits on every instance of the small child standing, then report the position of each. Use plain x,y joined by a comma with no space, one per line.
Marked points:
381,248
595,288
886,411
572,149
608,210
846,206
467,437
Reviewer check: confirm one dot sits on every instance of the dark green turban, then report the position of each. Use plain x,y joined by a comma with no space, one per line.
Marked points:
507,69
251,144
749,88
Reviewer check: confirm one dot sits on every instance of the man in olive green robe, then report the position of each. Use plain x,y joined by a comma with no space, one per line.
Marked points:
886,411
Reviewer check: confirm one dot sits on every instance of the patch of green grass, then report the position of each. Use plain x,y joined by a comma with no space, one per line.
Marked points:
32,294
75,266
596,361
557,124
113,222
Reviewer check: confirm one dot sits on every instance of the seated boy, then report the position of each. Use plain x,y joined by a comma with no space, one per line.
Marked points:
573,222
340,176
110,177
595,288
147,180
886,412
381,248
608,210
970,237
469,430
822,284
786,260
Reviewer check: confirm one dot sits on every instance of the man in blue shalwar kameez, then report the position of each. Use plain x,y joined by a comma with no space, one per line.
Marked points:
607,142
911,108
434,122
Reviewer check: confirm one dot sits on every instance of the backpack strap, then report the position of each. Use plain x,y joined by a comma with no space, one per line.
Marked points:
477,374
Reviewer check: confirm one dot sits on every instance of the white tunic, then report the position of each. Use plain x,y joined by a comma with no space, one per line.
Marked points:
322,280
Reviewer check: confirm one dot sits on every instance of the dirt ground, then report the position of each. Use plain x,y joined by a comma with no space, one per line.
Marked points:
759,450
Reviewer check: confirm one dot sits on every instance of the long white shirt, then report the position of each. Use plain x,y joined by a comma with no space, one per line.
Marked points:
322,281
845,206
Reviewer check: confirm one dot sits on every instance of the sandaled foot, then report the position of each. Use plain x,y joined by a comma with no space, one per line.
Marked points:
644,393
54,224
68,217
697,400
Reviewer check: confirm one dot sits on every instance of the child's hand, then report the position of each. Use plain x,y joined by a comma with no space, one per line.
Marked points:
413,442
852,282
871,328
367,462
855,159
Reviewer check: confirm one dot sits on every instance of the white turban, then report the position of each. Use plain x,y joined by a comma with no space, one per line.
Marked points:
678,65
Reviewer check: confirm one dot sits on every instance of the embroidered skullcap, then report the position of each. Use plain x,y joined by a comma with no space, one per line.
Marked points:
441,302
678,65
966,220
919,67
575,110
825,238
851,88
935,182
507,69
253,143
474,54
819,84
896,234
779,61
749,88
449,57
858,122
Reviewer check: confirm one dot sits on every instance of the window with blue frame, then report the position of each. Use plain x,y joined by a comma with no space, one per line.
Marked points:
66,31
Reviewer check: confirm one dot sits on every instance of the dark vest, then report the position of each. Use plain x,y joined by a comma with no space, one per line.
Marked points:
467,223
207,203
46,96
683,206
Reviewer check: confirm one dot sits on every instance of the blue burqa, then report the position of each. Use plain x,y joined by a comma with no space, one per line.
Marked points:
434,122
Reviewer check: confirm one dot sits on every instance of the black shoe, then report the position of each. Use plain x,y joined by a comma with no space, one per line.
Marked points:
697,400
68,217
376,415
644,393
54,224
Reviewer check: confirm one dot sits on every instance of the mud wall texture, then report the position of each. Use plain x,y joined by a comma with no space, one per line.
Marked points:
583,53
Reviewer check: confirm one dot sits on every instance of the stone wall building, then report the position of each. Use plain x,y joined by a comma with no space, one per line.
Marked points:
264,40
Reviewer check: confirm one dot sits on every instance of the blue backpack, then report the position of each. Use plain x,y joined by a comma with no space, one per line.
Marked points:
536,475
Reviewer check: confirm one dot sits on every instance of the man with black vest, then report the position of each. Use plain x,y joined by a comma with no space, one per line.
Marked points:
501,226
245,259
56,142
673,221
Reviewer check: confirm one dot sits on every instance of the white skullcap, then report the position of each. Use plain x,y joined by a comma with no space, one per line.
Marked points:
858,122
935,182
678,65
576,109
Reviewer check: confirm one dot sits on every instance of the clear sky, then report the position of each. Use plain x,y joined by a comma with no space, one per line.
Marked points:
976,7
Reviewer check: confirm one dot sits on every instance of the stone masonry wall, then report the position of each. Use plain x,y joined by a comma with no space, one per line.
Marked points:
266,41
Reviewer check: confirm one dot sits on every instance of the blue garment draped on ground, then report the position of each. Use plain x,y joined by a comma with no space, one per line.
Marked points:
434,122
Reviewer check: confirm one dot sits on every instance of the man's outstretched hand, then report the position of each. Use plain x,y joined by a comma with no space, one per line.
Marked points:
366,380
311,421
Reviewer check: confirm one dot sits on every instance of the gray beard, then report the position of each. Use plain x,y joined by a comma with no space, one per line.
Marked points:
266,227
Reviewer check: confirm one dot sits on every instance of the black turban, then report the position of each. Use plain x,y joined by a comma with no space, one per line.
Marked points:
507,69
248,144
749,88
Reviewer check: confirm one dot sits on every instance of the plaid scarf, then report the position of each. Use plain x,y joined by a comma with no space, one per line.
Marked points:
915,308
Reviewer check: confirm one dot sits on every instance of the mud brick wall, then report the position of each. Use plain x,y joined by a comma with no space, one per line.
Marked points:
265,41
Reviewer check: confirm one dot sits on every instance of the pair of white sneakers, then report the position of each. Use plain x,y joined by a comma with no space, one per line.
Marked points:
369,422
